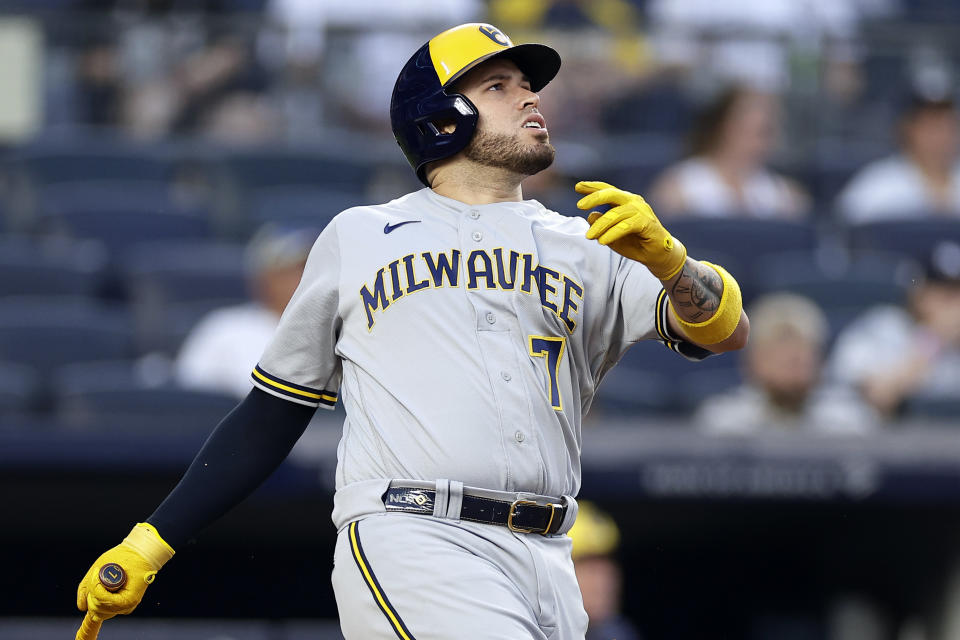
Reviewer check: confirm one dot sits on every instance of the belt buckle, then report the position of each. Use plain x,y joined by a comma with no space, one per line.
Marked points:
512,512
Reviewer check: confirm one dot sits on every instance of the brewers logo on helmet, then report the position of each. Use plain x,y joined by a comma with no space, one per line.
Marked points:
422,95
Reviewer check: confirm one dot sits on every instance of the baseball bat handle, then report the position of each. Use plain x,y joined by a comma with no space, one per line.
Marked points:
89,628
113,578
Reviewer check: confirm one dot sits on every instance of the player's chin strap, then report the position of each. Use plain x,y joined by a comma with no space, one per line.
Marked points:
724,322
519,512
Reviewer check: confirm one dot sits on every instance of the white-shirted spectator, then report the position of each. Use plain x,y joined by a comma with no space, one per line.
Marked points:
726,174
922,180
220,352
784,387
892,354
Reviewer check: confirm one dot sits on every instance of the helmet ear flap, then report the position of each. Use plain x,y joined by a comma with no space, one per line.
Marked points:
436,144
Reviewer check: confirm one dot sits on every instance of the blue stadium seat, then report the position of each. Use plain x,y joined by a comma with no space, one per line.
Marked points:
842,284
738,244
19,385
639,393
119,213
914,238
103,394
50,266
698,385
89,160
659,371
632,162
255,169
835,162
170,285
164,330
184,271
943,410
743,237
301,205
48,332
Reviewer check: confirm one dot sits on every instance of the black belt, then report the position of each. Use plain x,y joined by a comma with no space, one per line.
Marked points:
522,516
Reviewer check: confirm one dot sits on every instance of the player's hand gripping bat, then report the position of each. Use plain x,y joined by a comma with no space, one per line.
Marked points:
116,582
113,578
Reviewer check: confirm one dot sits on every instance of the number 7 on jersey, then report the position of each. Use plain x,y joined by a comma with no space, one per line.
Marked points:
550,349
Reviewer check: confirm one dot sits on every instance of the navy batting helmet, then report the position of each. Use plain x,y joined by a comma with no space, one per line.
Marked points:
420,96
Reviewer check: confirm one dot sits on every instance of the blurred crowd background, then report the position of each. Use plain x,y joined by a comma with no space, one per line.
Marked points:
166,164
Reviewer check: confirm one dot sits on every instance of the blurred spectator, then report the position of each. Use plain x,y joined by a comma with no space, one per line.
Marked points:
361,47
98,81
784,373
595,539
219,353
725,175
194,81
892,355
922,180
762,43
605,55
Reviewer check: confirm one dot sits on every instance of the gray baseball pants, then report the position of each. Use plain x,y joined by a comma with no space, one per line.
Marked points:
418,577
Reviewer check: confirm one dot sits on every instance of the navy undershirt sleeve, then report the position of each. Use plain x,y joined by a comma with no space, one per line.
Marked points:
244,449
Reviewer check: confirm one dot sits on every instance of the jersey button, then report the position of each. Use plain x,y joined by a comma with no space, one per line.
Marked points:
491,318
474,214
477,236
506,376
519,436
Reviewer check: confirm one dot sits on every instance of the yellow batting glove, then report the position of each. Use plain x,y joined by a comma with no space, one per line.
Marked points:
141,554
631,228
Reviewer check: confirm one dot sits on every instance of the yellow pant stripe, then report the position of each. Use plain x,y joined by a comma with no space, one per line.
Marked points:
398,627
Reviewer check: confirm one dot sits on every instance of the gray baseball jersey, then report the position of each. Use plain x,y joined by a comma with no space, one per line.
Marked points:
468,341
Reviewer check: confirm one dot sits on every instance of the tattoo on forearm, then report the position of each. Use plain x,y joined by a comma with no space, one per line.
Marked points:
696,293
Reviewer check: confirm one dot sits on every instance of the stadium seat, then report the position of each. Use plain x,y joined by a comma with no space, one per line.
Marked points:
639,393
630,162
842,284
743,237
50,266
835,162
183,271
659,371
738,244
914,238
301,205
18,387
118,213
652,355
48,332
171,284
933,408
701,384
658,107
256,169
165,330
109,393
92,160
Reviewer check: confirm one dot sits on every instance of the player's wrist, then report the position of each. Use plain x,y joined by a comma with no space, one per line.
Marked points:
146,540
725,319
672,259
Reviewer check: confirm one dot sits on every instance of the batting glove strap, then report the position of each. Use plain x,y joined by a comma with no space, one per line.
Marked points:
145,540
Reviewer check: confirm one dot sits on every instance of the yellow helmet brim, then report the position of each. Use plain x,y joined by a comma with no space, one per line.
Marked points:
456,51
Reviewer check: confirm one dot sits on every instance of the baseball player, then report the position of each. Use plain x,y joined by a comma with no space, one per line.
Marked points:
466,331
